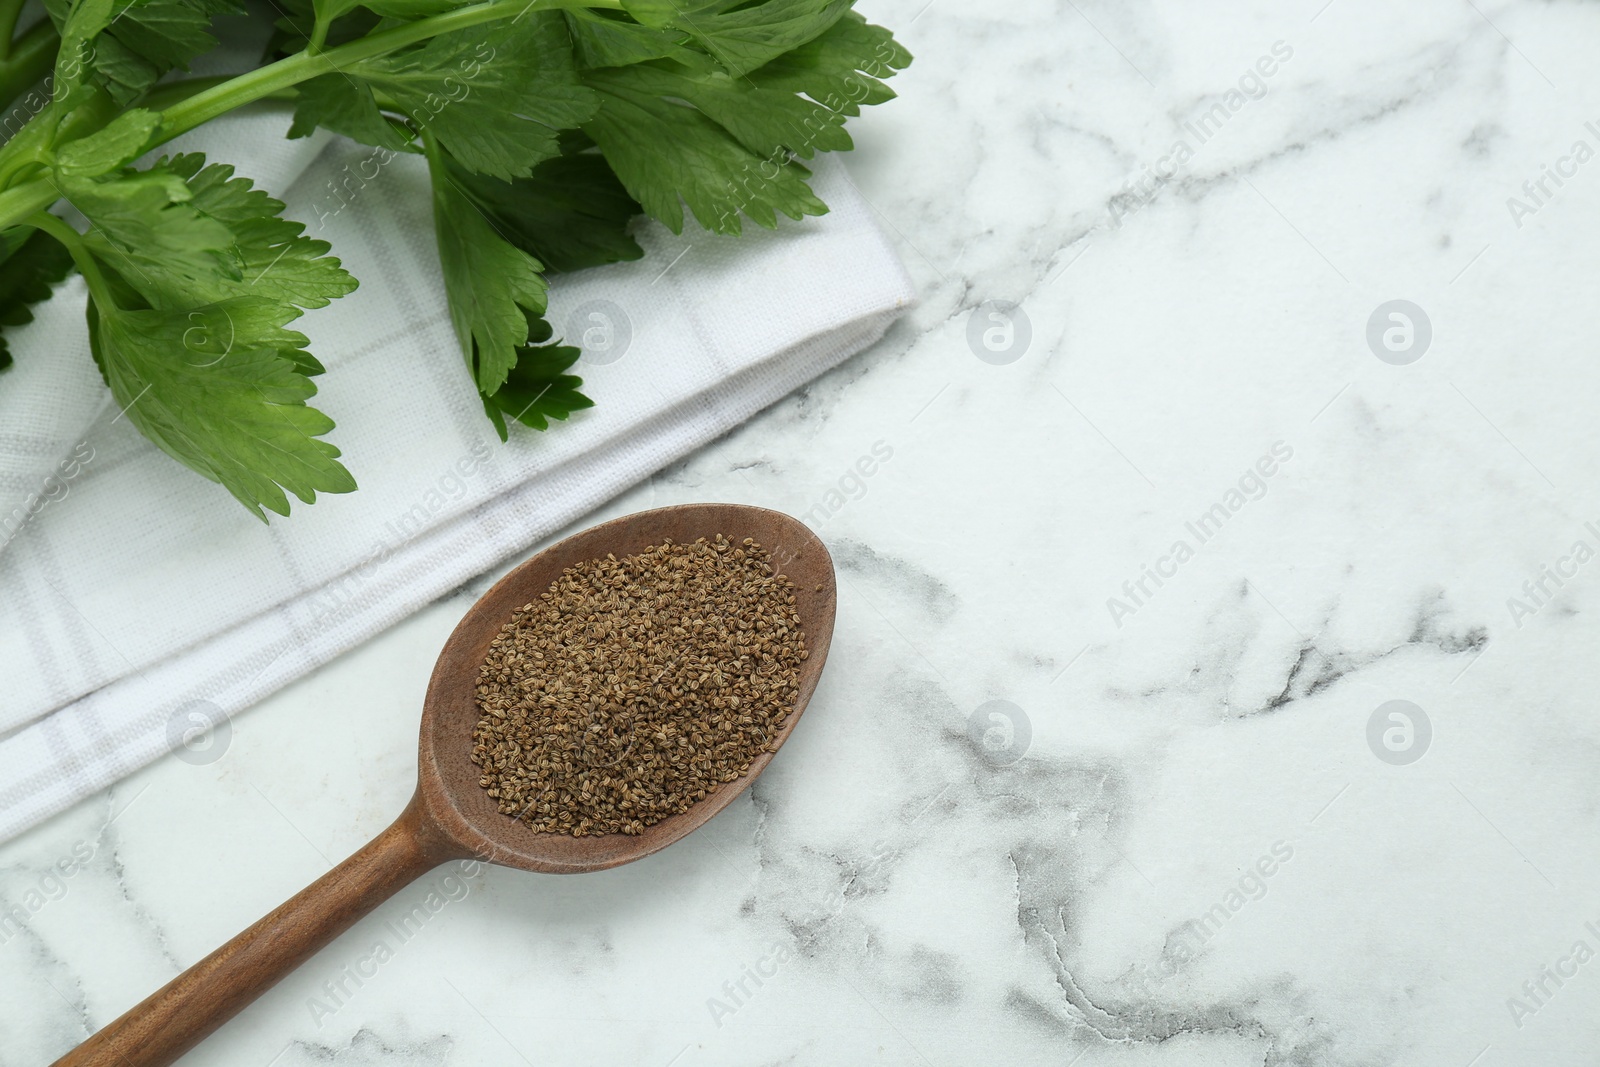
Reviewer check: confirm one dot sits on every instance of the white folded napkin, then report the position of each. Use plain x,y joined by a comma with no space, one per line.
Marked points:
143,601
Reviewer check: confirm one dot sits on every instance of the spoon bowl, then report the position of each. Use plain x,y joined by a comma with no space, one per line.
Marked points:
448,779
452,817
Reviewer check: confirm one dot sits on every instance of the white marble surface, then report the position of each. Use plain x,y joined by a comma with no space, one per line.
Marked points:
920,900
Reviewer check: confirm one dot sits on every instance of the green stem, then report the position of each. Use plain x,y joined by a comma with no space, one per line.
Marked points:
319,35
31,58
25,200
302,66
73,240
21,162
167,94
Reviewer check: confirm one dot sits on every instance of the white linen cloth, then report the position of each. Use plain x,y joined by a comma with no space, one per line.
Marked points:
146,592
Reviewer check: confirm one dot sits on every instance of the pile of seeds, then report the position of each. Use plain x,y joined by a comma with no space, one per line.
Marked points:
635,687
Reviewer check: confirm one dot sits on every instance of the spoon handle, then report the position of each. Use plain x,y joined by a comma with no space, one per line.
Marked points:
179,1015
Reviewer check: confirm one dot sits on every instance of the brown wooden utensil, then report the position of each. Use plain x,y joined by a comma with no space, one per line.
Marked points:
451,817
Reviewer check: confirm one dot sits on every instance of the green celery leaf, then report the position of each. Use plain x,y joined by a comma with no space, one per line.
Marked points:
169,33
141,39
346,107
30,263
744,37
277,260
843,69
769,122
184,233
78,24
218,388
143,224
494,288
600,40
495,96
741,36
538,390
668,154
726,145
197,275
571,213
121,140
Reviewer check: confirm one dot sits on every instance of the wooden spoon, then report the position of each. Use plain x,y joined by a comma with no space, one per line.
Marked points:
451,817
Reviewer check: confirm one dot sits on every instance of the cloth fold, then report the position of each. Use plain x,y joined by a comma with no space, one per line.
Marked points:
143,602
